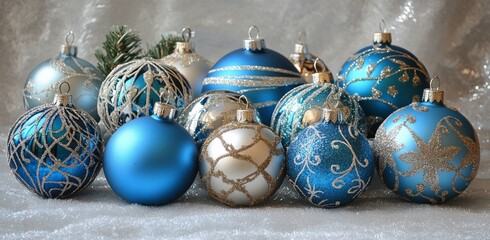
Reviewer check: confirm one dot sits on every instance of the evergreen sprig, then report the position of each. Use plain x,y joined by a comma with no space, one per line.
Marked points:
121,46
164,47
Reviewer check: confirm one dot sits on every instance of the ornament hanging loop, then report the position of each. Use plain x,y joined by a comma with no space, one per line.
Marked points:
382,26
186,34
257,36
60,87
245,115
433,80
320,76
70,38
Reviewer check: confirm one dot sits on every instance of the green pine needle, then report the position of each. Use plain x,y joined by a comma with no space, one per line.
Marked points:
164,47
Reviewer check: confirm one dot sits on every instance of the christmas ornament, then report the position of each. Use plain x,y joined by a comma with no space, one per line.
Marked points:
330,163
242,163
304,105
304,61
121,45
84,79
151,160
427,152
55,150
385,77
192,65
210,111
261,74
132,88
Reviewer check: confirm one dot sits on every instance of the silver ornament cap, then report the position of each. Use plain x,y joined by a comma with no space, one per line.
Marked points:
254,44
323,76
382,37
68,48
164,111
245,115
63,99
185,46
433,95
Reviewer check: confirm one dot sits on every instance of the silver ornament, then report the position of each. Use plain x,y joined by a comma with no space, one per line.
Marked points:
192,65
211,111
243,162
132,88
84,78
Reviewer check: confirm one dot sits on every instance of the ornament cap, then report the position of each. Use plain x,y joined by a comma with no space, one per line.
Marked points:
433,95
185,46
63,99
244,115
300,48
332,115
382,37
68,48
164,111
323,76
254,44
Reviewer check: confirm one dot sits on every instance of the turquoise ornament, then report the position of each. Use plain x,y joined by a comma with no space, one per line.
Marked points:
427,152
330,163
384,77
304,105
261,74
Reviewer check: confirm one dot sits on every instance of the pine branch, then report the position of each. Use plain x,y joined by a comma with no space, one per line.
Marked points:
121,46
164,47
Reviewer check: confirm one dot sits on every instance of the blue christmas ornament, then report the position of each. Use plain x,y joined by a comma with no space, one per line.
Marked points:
385,78
55,150
151,160
261,74
330,163
427,152
304,105
131,89
84,78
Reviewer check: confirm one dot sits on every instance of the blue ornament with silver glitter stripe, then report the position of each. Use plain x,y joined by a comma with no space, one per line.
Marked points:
330,163
385,78
261,74
304,105
427,152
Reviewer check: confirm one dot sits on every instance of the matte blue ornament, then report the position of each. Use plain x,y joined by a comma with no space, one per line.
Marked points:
385,78
151,160
131,89
55,150
304,105
330,163
261,74
427,152
84,78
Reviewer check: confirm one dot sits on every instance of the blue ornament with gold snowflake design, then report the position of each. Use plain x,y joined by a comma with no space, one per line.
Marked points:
427,152
261,74
330,163
384,77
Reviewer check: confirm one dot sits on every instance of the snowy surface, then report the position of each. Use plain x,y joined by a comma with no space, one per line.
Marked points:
451,38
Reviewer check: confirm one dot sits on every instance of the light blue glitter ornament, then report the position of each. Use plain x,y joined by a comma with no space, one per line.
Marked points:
55,150
151,160
330,163
131,89
304,105
84,78
427,152
261,74
385,78
211,111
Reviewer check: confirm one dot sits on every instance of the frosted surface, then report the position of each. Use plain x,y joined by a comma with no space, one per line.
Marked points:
451,38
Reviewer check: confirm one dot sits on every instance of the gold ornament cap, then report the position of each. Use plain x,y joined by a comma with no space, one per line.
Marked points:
254,44
382,36
323,76
245,115
63,99
433,95
185,46
164,110
332,115
68,48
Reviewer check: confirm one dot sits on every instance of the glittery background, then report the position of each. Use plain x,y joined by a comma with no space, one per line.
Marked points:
451,38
